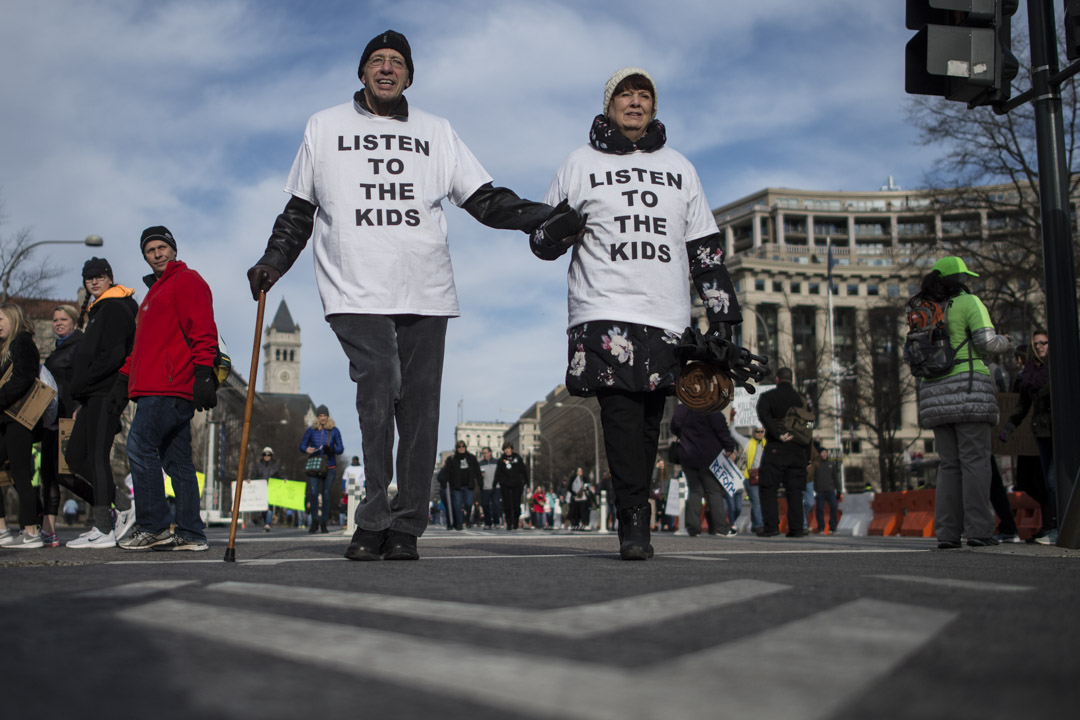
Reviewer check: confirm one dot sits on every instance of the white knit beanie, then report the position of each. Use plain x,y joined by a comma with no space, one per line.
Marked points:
621,75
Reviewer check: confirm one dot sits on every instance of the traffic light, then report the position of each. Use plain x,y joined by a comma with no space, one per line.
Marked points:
1072,29
962,50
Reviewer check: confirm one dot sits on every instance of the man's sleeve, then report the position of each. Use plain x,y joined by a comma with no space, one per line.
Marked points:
502,209
290,235
195,306
467,175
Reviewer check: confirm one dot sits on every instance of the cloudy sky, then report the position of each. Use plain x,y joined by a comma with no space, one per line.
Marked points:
120,115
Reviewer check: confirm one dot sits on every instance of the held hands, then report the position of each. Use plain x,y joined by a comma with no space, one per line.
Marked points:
1006,431
118,398
204,389
261,278
558,233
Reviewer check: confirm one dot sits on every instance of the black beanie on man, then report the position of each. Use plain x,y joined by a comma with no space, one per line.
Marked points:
96,267
157,232
389,39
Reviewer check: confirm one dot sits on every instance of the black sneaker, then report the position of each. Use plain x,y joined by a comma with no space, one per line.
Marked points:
982,542
399,546
365,545
949,545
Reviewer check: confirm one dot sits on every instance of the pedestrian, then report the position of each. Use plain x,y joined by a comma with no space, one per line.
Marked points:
488,464
753,452
110,312
1036,398
539,500
19,355
352,477
649,231
702,437
828,490
512,475
68,336
267,467
71,511
321,440
960,408
784,460
462,474
170,375
369,180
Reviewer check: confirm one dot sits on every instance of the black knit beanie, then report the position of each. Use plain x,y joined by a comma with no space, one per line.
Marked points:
96,267
389,39
157,232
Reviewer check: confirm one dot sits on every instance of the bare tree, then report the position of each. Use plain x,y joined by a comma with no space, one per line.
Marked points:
20,276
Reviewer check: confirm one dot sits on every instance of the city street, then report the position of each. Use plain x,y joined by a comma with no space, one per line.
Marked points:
540,624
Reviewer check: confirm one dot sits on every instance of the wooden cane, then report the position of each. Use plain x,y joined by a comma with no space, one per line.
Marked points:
230,552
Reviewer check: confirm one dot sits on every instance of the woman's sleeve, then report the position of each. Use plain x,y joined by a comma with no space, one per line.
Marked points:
306,442
711,279
24,369
335,438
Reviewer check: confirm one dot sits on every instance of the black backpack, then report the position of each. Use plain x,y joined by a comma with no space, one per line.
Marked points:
927,350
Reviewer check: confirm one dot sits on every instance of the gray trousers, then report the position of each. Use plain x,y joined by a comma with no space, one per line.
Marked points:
396,362
701,482
962,501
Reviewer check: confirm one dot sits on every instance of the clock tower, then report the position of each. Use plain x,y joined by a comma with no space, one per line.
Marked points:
281,354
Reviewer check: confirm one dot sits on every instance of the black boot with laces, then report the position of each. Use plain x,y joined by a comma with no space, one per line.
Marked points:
634,533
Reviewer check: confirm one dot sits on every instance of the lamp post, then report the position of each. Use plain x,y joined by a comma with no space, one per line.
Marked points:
89,241
763,327
596,436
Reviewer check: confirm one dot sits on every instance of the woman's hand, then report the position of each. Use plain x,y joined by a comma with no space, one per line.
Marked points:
310,451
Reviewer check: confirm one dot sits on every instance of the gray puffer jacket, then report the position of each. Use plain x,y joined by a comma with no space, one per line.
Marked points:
948,401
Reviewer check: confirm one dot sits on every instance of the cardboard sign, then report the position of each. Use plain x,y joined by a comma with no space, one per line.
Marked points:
745,406
730,477
5,477
253,498
199,477
64,427
28,409
286,493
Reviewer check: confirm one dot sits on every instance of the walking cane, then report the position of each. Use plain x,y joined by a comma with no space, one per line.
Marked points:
230,552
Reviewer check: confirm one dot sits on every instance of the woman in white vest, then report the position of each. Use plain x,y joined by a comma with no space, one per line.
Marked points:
629,295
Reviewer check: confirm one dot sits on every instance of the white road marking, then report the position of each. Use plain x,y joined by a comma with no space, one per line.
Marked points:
788,672
958,584
575,622
138,589
689,556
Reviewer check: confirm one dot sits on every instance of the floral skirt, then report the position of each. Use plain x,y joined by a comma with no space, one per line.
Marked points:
621,356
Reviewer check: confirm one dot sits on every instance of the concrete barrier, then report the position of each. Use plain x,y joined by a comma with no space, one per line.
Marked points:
857,514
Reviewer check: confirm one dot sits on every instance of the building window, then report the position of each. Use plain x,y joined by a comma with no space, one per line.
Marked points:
892,290
777,286
277,354
815,288
759,285
928,447
852,289
872,290
796,287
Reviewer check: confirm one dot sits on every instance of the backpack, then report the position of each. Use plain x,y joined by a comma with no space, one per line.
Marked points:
927,349
799,421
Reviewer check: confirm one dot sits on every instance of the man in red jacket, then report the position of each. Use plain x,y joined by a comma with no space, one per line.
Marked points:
169,375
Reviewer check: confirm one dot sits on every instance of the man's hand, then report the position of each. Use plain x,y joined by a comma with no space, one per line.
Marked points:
261,278
1006,431
118,398
204,389
786,437
558,233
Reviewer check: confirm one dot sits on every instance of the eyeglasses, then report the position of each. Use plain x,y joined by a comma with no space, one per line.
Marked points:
1041,343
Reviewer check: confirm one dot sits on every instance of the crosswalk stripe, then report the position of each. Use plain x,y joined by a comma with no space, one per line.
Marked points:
958,584
575,622
788,672
137,589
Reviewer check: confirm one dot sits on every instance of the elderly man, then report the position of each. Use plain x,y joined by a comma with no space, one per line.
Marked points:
368,184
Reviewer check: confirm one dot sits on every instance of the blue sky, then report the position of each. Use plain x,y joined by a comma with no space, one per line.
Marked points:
120,115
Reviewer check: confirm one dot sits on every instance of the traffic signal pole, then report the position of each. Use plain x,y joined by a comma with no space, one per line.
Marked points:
1060,276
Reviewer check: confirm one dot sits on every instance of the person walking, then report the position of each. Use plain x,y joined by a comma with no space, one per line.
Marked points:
539,515
266,467
19,355
321,440
961,409
352,477
784,460
463,474
491,511
828,490
170,375
368,185
512,475
702,437
110,311
649,231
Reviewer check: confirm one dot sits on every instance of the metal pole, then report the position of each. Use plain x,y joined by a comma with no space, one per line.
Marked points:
1060,278
835,369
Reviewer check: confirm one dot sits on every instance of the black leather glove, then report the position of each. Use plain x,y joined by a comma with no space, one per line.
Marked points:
262,278
720,330
204,389
118,398
558,233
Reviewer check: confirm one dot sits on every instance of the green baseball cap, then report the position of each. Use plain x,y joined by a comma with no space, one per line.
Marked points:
952,265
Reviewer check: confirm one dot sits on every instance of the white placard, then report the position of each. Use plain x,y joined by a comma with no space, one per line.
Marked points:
672,506
745,406
253,496
730,477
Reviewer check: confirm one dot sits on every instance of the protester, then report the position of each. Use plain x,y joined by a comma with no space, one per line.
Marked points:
19,354
266,467
784,461
489,485
512,475
369,180
828,490
960,408
68,336
1036,398
753,452
110,311
702,437
321,440
539,499
352,477
170,375
629,295
463,474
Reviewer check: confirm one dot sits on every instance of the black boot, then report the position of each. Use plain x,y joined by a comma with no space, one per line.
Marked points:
322,528
634,533
366,545
313,527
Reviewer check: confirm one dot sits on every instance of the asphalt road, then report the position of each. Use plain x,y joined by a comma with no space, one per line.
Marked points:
535,624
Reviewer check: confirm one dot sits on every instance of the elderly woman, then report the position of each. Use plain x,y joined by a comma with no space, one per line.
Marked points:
629,295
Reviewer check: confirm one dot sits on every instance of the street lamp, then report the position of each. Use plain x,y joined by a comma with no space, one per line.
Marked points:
596,435
89,241
763,326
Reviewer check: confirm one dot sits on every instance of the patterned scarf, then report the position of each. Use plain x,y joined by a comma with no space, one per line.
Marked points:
606,139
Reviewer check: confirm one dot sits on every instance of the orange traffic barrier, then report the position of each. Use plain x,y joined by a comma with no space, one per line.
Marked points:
888,514
1027,513
781,504
918,513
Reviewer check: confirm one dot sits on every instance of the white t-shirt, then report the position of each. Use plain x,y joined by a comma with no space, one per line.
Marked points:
631,264
380,234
